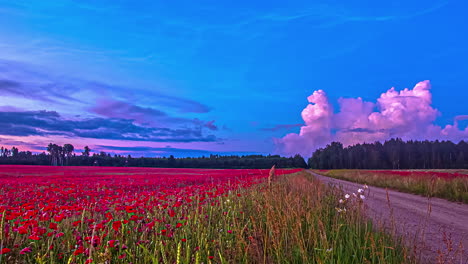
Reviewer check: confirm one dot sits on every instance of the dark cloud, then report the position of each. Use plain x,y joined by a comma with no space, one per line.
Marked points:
112,108
281,127
43,123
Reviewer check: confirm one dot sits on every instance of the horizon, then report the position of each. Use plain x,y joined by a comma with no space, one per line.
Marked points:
154,78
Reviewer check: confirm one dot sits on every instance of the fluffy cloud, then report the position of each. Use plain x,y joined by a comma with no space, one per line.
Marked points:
407,114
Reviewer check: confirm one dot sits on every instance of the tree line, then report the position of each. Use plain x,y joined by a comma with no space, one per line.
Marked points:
392,154
65,156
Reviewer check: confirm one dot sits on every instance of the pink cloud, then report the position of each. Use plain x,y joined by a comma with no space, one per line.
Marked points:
407,114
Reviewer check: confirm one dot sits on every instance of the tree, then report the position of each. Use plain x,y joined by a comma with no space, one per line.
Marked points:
14,151
86,151
53,150
68,151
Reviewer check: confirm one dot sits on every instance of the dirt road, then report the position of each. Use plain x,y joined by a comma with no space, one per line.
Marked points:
438,227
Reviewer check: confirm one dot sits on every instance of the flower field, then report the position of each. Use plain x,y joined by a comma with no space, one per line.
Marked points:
447,184
148,215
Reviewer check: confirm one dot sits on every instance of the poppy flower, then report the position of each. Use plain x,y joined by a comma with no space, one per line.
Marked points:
4,251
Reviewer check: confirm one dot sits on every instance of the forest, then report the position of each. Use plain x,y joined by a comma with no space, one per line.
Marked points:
65,156
392,154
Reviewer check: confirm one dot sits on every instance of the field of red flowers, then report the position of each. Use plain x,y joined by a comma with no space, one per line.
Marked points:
65,213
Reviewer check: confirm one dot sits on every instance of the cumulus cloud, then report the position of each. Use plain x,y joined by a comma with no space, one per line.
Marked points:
407,114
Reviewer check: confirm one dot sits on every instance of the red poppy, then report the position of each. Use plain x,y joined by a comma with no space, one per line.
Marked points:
4,251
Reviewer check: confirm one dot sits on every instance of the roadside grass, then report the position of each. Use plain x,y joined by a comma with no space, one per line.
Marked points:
450,185
297,220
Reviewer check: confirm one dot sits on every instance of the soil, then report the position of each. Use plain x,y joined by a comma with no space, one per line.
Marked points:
435,228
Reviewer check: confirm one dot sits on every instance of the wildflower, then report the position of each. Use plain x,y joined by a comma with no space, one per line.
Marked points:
53,225
341,201
113,243
346,196
25,250
360,190
229,231
329,249
88,261
354,195
34,237
365,186
362,197
78,251
171,213
116,225
184,240
22,230
4,251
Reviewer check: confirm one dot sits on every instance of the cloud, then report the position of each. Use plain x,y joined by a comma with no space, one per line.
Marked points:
148,116
22,80
407,114
47,123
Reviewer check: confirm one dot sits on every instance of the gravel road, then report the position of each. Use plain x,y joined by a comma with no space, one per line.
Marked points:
436,226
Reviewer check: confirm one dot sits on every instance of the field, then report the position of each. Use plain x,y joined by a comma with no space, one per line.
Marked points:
145,215
448,184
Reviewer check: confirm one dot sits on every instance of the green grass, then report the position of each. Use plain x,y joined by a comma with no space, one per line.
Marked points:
294,221
452,189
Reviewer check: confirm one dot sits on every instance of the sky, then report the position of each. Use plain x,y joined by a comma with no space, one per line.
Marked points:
187,78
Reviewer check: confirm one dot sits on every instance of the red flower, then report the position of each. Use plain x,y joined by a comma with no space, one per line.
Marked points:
211,257
34,237
88,261
78,251
171,213
25,250
113,243
22,230
53,225
59,218
116,225
184,240
4,251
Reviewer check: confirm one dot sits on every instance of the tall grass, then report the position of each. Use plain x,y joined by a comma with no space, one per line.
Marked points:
417,182
294,221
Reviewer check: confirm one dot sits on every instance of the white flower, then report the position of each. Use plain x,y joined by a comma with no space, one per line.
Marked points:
338,210
341,201
354,195
362,197
360,190
346,196
329,250
365,186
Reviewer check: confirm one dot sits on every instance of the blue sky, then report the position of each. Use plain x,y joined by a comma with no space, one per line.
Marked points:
213,75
